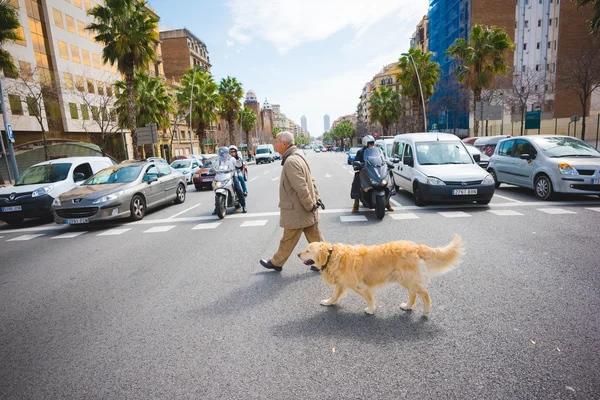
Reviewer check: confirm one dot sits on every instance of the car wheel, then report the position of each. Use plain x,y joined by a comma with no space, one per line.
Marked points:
197,186
419,201
15,222
493,174
180,194
137,207
543,187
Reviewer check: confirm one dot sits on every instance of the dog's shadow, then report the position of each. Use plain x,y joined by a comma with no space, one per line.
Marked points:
337,322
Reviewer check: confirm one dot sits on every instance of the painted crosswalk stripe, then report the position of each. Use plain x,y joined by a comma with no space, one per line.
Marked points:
454,214
158,229
353,218
597,209
114,232
394,202
404,216
258,222
69,235
556,211
504,213
25,237
209,225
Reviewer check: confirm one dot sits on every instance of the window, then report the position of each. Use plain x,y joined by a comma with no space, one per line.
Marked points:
536,88
538,45
62,49
70,23
21,32
526,23
86,57
523,146
407,154
84,169
549,43
79,83
556,22
15,104
106,67
526,2
109,91
26,73
539,22
77,3
8,73
547,67
87,5
32,106
85,113
554,44
81,28
540,2
506,148
69,81
100,86
522,68
96,59
58,21
73,110
163,169
524,46
95,113
75,54
90,86
537,67
546,87
92,36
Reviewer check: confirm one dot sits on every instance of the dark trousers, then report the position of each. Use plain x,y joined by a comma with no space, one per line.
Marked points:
238,190
356,187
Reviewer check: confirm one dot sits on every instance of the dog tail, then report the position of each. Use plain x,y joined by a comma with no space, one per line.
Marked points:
442,259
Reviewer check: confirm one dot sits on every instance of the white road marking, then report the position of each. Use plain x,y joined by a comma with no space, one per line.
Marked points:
507,198
394,202
184,211
404,216
597,209
25,237
454,214
1,237
556,211
52,227
171,220
258,222
114,232
328,176
210,225
256,177
353,218
69,235
158,229
274,179
504,213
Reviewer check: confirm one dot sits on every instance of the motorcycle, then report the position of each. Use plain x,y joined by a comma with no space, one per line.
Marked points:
376,186
225,195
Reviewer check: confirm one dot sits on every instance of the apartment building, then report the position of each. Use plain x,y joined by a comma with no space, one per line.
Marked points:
182,50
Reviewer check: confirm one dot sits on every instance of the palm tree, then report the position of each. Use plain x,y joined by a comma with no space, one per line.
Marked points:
129,33
9,22
231,92
481,59
276,130
385,107
247,119
595,19
429,74
205,101
152,102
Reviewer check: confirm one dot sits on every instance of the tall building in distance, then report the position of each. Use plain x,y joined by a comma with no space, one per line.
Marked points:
326,123
303,123
182,50
420,39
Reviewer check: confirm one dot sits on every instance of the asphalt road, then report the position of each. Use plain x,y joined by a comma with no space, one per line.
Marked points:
177,307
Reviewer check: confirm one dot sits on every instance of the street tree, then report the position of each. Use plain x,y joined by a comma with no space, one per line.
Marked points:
527,89
481,59
276,130
231,92
344,130
595,16
247,119
129,33
386,107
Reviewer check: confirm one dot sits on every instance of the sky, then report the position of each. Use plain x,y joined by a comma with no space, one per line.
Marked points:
312,57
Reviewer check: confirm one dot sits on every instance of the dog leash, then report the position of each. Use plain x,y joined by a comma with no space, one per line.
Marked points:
328,259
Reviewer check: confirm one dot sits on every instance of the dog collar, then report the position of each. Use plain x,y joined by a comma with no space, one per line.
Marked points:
328,258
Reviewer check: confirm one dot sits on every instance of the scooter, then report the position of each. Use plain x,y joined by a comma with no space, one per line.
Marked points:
376,187
225,195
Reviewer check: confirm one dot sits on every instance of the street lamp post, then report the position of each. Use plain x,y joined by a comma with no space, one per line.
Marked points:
420,88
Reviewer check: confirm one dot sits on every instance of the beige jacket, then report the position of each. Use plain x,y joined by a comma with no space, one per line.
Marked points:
297,192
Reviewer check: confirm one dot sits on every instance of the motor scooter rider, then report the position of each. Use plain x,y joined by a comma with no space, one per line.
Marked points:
230,164
233,151
355,191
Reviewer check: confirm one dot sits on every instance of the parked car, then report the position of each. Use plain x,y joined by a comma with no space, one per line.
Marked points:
386,146
324,150
484,160
352,154
277,156
436,167
317,149
157,159
265,153
488,144
547,164
187,167
120,191
204,176
470,140
37,187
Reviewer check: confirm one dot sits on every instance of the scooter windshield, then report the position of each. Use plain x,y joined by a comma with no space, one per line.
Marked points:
374,156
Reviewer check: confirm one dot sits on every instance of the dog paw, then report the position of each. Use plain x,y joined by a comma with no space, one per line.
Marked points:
326,302
405,307
369,311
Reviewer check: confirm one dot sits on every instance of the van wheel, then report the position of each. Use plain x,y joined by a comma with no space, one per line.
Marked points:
137,208
493,174
543,187
419,201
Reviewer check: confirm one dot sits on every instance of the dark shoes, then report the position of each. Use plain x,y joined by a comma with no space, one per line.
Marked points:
244,209
268,265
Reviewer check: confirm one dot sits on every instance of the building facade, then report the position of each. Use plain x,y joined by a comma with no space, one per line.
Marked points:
182,50
420,39
326,123
303,123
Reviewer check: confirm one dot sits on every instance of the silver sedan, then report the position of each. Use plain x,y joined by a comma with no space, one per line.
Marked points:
120,191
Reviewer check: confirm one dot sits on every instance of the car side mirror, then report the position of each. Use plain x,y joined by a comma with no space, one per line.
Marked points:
525,157
150,178
357,165
395,160
477,158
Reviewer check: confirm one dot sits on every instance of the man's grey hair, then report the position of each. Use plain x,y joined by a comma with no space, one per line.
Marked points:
286,137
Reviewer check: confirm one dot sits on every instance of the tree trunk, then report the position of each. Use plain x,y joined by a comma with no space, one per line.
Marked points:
476,99
522,121
46,155
248,141
486,127
583,114
231,127
131,108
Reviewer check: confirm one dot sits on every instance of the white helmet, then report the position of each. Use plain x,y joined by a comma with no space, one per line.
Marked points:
368,139
233,147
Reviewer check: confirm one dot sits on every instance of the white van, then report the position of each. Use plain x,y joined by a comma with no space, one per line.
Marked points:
436,167
37,187
265,153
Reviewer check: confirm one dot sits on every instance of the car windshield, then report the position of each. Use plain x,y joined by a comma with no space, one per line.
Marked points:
115,175
388,148
262,151
210,163
442,153
374,156
565,147
181,164
48,173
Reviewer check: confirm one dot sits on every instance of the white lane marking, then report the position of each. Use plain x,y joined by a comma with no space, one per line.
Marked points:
394,202
158,229
256,177
25,237
507,198
184,211
114,232
327,175
1,237
454,214
556,211
504,213
353,218
597,209
69,235
274,179
37,229
404,216
266,172
350,172
210,225
258,222
171,220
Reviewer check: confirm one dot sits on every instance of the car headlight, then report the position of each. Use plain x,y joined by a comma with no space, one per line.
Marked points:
434,181
110,197
42,191
566,169
56,202
488,180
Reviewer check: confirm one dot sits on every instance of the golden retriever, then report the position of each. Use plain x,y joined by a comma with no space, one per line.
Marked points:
363,268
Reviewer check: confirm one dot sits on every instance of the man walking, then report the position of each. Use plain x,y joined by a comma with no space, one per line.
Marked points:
298,198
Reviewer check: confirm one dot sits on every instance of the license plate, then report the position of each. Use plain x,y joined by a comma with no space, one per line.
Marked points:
76,221
596,181
207,180
11,209
459,192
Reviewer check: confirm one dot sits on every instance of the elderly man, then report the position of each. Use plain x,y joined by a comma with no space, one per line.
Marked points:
298,198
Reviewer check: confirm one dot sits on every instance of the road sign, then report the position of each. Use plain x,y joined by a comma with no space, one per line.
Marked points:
9,133
532,119
147,134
